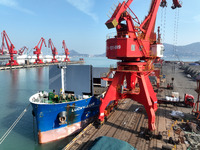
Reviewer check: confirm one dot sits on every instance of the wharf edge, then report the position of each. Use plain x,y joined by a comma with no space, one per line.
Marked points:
37,65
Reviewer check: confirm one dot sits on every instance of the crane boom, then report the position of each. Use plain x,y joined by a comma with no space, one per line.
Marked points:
21,51
148,24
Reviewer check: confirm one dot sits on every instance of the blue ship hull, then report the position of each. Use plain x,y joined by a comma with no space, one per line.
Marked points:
58,120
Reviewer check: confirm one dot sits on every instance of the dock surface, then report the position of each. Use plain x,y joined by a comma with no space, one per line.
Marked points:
37,65
127,123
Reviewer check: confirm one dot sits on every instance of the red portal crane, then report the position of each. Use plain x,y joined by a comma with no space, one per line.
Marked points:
54,51
136,47
38,51
66,51
10,47
21,51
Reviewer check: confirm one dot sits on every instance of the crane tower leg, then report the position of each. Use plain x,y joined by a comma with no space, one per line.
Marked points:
138,88
112,94
147,98
38,60
12,62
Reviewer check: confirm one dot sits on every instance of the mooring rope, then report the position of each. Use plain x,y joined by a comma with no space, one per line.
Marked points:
13,125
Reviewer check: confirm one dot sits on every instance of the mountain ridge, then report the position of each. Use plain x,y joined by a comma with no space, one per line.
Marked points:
189,50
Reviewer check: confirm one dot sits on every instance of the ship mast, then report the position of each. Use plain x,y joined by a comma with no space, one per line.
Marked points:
62,66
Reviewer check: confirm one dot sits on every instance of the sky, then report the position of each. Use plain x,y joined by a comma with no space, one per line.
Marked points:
81,23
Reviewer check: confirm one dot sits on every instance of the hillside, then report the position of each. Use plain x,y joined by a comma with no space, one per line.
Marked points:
190,51
74,53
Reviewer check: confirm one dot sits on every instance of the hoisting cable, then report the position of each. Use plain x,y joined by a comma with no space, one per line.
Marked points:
176,23
13,125
175,39
163,22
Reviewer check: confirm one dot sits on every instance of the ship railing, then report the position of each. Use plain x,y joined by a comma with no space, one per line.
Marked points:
43,98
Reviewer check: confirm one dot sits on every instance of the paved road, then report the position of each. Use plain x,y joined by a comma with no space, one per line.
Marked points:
182,84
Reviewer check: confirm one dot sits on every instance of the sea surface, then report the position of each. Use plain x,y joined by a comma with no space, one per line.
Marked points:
16,86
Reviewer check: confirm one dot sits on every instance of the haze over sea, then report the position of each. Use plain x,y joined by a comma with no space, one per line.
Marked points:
16,88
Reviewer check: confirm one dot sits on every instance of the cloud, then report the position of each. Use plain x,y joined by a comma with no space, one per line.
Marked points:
85,6
197,18
13,4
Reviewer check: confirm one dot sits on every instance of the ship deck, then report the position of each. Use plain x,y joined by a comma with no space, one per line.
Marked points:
127,124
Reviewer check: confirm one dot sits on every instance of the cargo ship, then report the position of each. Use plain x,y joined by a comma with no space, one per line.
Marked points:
59,115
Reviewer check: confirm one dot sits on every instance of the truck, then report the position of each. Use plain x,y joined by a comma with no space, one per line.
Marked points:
175,99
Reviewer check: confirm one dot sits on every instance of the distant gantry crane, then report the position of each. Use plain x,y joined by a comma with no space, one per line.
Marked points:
66,51
22,50
54,51
37,51
10,47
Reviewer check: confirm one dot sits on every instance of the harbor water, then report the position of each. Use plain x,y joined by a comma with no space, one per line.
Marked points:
16,86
